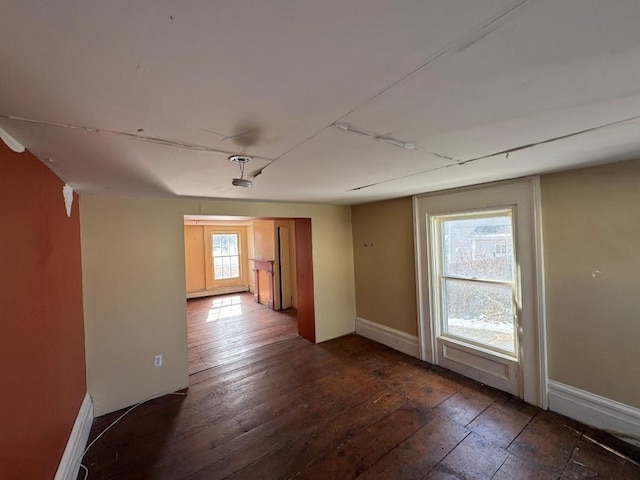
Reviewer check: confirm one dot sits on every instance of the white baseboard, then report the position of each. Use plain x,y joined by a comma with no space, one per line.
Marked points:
70,462
401,341
619,419
219,291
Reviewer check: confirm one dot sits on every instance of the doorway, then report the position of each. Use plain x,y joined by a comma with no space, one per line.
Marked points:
477,261
227,255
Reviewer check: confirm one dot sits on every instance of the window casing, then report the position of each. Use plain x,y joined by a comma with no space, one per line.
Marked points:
474,272
226,256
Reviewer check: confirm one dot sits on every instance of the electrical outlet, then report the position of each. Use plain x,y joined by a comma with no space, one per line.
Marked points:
157,361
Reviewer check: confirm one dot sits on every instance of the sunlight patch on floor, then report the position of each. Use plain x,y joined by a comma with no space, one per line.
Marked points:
225,307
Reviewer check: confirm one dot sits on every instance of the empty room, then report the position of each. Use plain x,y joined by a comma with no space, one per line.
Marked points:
329,240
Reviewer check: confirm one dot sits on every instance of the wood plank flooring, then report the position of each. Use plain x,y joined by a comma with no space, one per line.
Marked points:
264,403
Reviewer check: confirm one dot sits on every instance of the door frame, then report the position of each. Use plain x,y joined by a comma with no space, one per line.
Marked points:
304,279
302,250
535,386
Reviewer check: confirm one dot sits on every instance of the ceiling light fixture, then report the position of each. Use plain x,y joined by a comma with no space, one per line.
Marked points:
241,161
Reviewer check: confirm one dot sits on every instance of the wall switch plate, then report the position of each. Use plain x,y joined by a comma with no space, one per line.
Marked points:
157,361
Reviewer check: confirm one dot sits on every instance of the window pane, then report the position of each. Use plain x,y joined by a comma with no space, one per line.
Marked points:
217,268
233,244
483,313
235,267
479,248
226,261
217,249
225,244
225,269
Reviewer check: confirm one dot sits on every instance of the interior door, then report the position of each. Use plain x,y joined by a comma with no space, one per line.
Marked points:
284,267
477,285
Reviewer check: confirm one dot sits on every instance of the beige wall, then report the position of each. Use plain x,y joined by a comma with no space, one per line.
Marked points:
264,249
263,240
591,222
195,265
134,287
384,269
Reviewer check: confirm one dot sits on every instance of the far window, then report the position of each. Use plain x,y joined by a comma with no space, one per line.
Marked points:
226,257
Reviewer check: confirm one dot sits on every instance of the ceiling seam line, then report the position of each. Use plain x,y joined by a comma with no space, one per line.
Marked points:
463,42
504,152
553,139
132,136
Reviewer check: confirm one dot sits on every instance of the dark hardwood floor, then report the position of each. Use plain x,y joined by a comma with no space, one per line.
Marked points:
264,403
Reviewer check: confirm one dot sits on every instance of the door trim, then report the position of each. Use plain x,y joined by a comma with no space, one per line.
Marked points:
304,279
427,335
541,309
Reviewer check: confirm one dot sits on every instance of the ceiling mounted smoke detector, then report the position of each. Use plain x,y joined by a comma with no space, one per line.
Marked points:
241,160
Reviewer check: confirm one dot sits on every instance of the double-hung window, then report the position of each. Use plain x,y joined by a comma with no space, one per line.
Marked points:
226,256
475,278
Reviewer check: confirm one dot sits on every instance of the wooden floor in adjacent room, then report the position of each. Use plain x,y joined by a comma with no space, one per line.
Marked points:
264,403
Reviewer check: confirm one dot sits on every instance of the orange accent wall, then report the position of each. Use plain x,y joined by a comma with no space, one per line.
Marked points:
42,356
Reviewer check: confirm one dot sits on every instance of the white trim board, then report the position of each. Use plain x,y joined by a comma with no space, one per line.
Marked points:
70,462
219,291
520,195
396,339
619,419
541,311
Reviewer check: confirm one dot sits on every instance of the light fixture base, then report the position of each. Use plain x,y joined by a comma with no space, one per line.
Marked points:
240,159
242,182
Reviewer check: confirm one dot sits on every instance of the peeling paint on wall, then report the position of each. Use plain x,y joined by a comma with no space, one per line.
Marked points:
11,142
67,193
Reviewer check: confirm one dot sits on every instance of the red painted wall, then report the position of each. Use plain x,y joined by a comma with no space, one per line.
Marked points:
42,358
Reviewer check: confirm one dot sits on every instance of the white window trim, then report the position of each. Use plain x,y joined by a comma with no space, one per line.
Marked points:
438,294
426,337
238,255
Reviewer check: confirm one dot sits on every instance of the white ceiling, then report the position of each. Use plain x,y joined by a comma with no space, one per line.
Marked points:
461,79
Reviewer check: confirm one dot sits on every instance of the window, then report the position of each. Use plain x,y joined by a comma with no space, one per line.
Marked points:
226,256
475,274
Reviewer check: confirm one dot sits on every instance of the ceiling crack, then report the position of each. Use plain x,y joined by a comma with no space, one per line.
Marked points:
502,152
551,140
134,136
464,41
459,44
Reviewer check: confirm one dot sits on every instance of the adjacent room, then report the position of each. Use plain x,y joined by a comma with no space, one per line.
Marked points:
242,288
363,239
